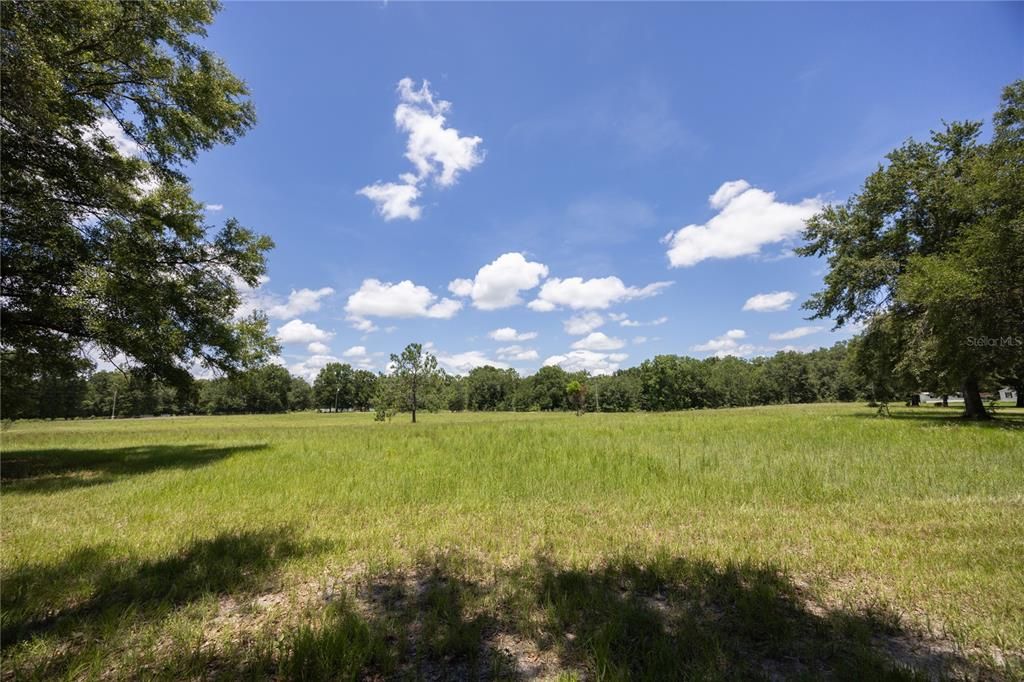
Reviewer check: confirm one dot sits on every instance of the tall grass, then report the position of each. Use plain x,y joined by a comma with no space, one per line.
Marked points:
116,525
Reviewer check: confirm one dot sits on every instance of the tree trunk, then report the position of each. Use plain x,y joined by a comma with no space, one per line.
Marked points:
414,403
1019,388
945,401
974,408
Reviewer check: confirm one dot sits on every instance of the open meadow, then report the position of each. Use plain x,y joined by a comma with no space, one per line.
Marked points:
777,542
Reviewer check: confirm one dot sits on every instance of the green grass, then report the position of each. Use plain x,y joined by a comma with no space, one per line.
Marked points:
795,541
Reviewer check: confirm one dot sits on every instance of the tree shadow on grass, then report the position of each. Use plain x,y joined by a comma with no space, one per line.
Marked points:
91,599
45,471
661,619
1005,418
680,619
429,623
670,618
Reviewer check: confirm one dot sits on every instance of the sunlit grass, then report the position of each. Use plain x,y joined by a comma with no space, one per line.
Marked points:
137,530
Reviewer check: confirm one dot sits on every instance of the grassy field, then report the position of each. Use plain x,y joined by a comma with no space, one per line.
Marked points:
815,541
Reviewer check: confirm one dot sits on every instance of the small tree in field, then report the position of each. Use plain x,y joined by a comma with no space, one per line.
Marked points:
387,398
576,391
417,376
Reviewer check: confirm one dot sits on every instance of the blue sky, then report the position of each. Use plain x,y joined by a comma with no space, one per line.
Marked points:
675,147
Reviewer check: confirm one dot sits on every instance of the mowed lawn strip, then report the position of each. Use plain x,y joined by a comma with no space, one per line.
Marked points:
918,516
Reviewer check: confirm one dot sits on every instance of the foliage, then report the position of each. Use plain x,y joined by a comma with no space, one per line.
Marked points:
333,380
929,256
339,386
31,388
388,398
576,391
671,382
489,389
417,380
300,395
454,393
103,247
546,388
618,392
668,382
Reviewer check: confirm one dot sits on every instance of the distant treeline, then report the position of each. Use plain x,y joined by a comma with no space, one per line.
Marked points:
59,395
665,382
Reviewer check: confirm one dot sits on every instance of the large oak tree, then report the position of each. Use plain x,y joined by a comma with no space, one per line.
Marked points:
103,248
929,255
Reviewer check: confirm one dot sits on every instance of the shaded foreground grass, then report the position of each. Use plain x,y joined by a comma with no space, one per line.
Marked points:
776,542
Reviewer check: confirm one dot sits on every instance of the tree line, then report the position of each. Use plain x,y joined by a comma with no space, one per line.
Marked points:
665,382
55,393
662,383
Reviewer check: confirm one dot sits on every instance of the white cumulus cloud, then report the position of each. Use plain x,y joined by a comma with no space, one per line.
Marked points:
394,199
497,284
587,361
597,293
298,331
510,334
795,333
726,344
435,150
214,207
517,352
463,363
584,323
461,287
299,301
598,341
770,303
404,299
311,366
747,219
727,192
362,324
626,322
318,348
359,358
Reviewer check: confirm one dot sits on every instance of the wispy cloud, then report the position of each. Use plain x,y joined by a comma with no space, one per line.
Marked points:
634,122
773,302
796,333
